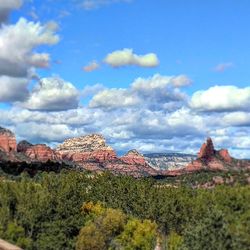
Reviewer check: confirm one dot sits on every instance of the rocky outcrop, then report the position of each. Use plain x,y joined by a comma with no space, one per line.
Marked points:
92,153
211,159
42,153
38,152
224,154
133,157
7,141
22,146
207,150
89,148
88,143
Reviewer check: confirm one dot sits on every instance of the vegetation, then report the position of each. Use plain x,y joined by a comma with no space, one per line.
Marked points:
74,210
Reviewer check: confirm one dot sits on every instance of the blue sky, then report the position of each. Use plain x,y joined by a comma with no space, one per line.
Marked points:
142,64
190,38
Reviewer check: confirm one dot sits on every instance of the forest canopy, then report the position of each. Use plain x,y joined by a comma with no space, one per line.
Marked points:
74,210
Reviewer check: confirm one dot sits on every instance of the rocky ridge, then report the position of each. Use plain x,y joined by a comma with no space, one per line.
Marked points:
91,152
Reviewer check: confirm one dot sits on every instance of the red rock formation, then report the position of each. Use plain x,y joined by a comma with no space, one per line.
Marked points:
97,156
207,150
210,159
133,157
7,141
92,153
41,152
224,154
22,146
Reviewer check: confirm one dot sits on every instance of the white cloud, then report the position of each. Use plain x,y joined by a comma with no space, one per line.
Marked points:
146,85
127,57
52,94
149,92
181,80
113,98
221,67
94,4
45,132
6,6
237,119
13,89
221,98
17,43
92,66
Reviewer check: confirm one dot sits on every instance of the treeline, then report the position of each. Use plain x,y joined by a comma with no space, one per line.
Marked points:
74,210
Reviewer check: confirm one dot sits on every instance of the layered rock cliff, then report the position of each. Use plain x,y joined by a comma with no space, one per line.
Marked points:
86,148
92,153
7,141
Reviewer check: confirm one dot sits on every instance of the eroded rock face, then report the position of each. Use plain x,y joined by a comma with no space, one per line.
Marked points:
22,146
92,153
97,156
224,154
207,150
88,143
86,148
133,157
41,152
7,141
211,159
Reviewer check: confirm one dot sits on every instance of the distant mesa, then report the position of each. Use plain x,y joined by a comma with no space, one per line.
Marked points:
92,153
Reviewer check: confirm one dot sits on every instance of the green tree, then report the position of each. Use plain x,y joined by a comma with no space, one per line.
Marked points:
137,234
105,225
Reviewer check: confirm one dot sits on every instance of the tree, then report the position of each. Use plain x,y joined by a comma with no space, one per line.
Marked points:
137,234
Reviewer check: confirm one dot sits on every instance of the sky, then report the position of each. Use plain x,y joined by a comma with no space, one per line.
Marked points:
158,76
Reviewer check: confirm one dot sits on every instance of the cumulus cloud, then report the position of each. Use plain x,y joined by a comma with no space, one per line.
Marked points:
221,98
146,85
92,66
45,132
127,57
113,98
221,67
17,43
237,119
52,94
148,92
6,6
94,4
13,89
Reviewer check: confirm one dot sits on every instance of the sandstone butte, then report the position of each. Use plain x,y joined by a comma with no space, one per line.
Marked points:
91,152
